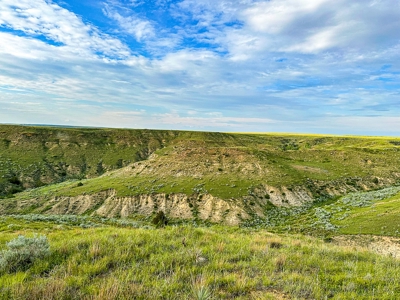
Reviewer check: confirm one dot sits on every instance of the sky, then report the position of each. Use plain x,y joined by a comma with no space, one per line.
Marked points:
302,66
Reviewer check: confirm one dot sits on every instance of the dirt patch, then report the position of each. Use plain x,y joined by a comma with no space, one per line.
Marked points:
269,294
385,245
309,169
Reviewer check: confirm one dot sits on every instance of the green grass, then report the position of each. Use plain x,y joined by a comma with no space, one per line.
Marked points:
268,257
172,263
224,187
380,218
368,213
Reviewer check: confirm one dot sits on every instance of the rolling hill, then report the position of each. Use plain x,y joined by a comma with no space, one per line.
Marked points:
317,215
217,177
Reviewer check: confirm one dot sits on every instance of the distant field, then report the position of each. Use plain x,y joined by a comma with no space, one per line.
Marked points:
318,135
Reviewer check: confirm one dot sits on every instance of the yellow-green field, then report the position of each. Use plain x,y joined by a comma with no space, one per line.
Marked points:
186,262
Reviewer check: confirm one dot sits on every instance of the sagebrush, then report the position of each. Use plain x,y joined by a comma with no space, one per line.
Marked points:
22,252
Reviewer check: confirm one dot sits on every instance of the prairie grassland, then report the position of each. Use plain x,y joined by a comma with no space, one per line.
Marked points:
189,262
31,157
99,258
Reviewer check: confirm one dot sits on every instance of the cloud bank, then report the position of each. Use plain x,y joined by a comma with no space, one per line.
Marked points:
280,65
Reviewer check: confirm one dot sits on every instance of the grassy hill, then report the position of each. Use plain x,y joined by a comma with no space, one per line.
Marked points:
35,156
218,177
317,215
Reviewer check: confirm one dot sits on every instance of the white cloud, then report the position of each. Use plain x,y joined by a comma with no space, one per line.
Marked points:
312,26
226,123
155,39
24,47
319,41
135,3
304,63
185,60
274,16
40,18
141,29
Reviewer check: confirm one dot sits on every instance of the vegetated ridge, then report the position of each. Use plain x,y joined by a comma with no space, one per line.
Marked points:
218,177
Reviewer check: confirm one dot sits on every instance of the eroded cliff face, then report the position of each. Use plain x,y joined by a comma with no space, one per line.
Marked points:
201,206
312,191
108,204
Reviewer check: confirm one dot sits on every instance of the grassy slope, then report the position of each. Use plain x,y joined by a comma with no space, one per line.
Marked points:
379,218
123,263
225,165
368,213
34,156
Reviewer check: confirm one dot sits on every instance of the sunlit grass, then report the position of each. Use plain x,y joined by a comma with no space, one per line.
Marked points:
379,218
173,262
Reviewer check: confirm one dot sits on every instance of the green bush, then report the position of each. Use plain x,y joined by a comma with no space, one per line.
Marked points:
160,220
22,253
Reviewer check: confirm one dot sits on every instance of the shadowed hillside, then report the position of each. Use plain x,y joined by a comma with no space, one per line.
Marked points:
35,156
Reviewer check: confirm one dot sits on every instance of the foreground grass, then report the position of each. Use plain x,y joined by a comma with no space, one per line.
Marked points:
178,262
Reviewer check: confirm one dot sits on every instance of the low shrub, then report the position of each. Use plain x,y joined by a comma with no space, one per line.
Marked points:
275,244
160,220
22,252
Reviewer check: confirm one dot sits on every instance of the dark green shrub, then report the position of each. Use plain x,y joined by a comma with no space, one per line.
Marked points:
120,163
100,169
275,245
14,180
160,220
15,189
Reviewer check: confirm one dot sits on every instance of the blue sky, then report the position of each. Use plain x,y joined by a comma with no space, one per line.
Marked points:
312,66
